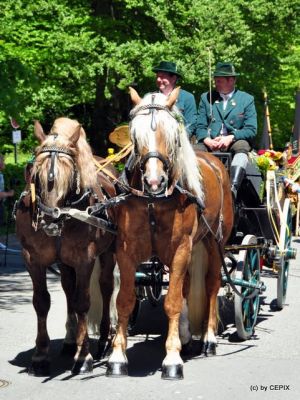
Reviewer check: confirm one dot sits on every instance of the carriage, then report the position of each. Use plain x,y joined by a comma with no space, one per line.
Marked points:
172,207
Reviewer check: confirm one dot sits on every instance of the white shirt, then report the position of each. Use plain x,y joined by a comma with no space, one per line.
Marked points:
226,97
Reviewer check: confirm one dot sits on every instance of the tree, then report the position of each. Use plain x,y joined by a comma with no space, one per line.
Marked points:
77,57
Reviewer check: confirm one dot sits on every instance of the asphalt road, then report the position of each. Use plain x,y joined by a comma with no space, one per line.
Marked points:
265,367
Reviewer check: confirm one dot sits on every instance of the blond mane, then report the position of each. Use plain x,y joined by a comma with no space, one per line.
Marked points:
182,156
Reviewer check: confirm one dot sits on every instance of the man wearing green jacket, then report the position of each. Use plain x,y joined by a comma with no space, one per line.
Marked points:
227,121
167,75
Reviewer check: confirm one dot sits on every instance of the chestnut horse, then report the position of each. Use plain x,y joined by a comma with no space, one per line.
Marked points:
176,204
64,179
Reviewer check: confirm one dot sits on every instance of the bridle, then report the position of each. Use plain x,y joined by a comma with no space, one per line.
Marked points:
76,198
54,152
153,154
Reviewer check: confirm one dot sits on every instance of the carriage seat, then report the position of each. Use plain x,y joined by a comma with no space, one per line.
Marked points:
249,192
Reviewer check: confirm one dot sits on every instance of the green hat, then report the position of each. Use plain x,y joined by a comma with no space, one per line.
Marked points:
167,66
225,69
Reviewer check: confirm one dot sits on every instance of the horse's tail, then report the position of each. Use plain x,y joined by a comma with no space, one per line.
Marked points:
113,301
96,307
197,299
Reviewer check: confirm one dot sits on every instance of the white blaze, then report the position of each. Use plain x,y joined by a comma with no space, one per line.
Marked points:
153,178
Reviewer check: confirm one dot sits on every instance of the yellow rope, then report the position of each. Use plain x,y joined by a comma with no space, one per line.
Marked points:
115,158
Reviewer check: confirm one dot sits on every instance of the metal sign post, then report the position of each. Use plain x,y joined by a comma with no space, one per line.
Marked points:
16,138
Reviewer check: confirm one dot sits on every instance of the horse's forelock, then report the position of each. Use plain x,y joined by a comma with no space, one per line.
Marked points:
141,124
64,178
66,127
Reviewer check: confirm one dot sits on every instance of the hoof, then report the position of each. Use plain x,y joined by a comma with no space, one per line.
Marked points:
83,367
69,349
210,349
172,372
103,348
199,347
117,369
39,368
187,349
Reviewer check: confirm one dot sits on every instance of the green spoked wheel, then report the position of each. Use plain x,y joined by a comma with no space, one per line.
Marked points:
246,306
283,260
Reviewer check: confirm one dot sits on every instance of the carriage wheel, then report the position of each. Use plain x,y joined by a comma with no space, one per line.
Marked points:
246,309
283,262
154,291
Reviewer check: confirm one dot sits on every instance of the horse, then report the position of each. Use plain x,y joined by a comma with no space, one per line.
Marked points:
64,179
177,206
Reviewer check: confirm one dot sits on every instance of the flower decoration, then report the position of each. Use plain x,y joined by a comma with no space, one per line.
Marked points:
269,160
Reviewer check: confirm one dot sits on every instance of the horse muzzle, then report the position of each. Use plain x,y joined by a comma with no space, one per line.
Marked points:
156,186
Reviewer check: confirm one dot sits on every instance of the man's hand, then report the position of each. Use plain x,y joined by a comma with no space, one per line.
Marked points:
219,143
212,144
224,141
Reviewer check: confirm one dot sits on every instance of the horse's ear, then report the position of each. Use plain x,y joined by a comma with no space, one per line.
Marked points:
135,98
76,135
173,97
39,132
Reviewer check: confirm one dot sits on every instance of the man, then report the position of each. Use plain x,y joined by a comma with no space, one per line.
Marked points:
227,121
167,75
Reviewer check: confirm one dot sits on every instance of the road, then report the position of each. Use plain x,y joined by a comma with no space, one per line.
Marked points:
265,367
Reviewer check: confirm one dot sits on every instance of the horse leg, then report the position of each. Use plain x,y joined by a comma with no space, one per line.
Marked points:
40,365
117,364
107,286
194,313
68,281
184,324
213,284
172,366
83,359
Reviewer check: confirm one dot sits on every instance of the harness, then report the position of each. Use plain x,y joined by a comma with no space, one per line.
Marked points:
76,204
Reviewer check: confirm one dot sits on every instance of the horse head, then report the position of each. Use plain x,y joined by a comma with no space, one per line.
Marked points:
155,130
63,167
